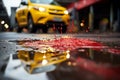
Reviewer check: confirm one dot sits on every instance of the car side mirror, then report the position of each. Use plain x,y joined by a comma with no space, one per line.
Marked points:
24,3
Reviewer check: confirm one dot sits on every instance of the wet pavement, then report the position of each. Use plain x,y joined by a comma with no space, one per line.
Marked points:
89,62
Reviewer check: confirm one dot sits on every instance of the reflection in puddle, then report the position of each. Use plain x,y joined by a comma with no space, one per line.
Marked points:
90,64
100,52
42,60
88,54
112,44
99,56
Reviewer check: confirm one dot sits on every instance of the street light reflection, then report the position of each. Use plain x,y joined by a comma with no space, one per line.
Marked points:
6,26
44,62
2,22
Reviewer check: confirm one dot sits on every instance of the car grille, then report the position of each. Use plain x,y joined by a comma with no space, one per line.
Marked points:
56,12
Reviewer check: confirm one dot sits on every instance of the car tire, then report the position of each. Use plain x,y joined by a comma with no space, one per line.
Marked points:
44,29
64,29
31,26
15,56
18,28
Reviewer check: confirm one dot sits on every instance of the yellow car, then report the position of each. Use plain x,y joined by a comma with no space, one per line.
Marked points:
34,14
35,61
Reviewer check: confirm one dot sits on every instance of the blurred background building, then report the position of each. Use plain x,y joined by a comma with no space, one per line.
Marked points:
90,14
4,18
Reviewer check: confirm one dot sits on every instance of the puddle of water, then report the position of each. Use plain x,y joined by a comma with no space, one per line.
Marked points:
113,44
101,56
99,52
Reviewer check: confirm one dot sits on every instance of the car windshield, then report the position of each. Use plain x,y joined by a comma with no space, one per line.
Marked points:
45,2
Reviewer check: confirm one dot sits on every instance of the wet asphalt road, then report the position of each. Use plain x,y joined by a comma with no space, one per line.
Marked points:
94,36
66,72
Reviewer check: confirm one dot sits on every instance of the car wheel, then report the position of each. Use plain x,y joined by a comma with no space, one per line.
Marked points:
18,28
44,29
64,29
31,27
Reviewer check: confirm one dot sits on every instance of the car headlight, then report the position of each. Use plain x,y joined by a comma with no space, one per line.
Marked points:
41,9
65,12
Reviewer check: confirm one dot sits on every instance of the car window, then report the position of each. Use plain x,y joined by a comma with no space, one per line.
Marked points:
45,2
26,1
